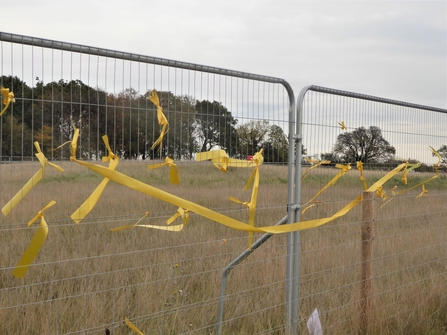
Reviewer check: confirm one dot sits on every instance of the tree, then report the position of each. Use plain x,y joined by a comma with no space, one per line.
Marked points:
276,148
256,135
252,136
365,145
214,126
443,153
16,140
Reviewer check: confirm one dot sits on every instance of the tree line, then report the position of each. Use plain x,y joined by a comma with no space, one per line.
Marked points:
48,112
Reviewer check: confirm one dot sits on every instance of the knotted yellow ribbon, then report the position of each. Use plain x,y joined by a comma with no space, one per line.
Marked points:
315,164
423,193
132,326
174,173
91,201
342,125
8,97
362,178
220,160
32,182
162,121
35,245
257,160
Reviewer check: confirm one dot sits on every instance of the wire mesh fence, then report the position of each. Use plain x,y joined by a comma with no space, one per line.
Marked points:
407,264
87,278
183,150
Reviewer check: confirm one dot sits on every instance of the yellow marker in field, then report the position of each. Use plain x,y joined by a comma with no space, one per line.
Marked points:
8,97
36,243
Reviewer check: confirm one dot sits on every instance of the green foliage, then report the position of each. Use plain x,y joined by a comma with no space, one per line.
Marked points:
365,145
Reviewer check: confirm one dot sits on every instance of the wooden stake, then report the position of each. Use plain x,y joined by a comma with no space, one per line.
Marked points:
367,256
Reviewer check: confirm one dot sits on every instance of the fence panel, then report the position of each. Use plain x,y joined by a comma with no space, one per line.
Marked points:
403,283
86,278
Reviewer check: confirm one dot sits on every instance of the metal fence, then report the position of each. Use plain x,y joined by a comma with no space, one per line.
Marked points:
88,278
192,162
380,267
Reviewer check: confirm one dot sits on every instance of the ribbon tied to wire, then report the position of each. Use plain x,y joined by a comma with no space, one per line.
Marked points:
8,97
32,182
162,120
174,173
91,201
35,245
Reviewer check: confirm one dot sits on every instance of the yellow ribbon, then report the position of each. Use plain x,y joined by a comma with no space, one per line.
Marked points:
174,173
342,125
32,182
258,159
162,121
315,164
423,193
132,326
362,178
35,245
218,217
220,160
91,201
437,166
8,97
344,169
305,209
183,213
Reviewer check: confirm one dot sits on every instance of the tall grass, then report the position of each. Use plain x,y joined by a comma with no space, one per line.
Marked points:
87,278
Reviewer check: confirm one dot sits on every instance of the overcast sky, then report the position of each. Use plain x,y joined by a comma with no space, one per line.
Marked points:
393,49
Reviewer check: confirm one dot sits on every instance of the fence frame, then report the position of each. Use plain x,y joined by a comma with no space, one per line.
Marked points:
293,160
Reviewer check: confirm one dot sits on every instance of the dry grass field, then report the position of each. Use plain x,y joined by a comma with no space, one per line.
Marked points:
87,279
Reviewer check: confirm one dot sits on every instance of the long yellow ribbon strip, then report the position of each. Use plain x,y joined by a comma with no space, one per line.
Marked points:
35,245
162,120
91,201
8,97
32,182
215,216
218,217
220,160
132,326
174,173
